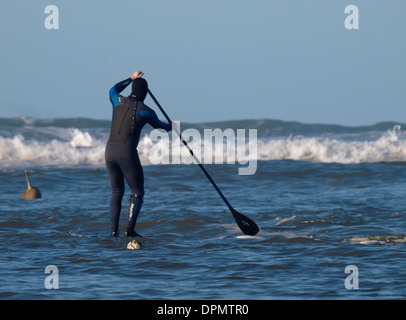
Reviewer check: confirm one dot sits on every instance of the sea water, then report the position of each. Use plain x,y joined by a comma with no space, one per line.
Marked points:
329,201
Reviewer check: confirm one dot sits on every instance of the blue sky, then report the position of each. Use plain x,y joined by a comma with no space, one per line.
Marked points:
208,60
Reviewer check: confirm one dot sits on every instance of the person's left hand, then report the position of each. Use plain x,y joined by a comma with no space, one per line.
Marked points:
137,74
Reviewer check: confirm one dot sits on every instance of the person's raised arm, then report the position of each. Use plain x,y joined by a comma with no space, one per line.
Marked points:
119,87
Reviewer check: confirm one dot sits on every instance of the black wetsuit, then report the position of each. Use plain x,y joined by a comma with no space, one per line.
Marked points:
130,114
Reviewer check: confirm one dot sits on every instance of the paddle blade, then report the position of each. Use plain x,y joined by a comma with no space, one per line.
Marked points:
246,225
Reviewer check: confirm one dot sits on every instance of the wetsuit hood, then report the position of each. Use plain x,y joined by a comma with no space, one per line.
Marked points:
139,89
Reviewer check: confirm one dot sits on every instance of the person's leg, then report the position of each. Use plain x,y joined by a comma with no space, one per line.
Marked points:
134,176
134,209
117,188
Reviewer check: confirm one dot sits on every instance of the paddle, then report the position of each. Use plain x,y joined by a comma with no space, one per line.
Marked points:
246,225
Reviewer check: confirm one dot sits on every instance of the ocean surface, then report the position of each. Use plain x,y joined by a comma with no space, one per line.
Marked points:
330,202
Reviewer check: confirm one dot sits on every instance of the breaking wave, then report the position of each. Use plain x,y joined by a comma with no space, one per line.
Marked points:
389,147
45,143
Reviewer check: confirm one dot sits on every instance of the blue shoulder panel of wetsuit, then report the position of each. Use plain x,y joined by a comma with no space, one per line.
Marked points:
117,89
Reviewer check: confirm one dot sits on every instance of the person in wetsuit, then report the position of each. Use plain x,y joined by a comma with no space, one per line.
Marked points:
130,114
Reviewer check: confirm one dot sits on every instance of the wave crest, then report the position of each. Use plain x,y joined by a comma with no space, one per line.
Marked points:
80,149
388,148
67,147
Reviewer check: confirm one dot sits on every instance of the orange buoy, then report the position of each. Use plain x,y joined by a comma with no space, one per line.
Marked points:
30,192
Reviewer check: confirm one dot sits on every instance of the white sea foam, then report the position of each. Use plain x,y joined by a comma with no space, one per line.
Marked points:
80,149
389,147
380,239
71,147
81,139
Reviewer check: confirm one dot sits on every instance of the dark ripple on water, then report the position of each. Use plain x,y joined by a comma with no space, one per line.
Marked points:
315,220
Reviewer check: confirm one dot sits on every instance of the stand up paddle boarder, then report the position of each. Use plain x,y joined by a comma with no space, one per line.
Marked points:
130,114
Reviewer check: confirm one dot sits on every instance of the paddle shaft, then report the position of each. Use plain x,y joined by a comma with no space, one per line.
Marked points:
193,155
